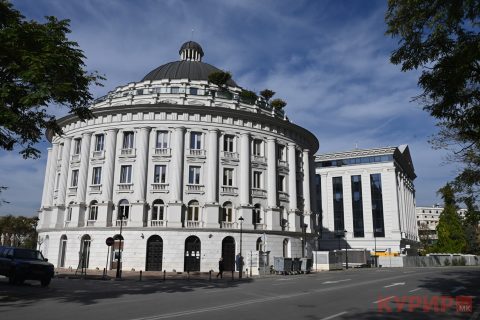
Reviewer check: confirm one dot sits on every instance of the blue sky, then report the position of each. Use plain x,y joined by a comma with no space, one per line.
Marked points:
328,59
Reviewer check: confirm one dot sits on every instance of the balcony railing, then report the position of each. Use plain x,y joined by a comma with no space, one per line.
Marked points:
121,222
260,226
283,196
159,187
158,223
100,154
261,193
196,152
95,188
162,152
129,152
125,187
72,190
195,188
91,223
76,158
258,158
194,224
228,225
282,163
230,155
229,190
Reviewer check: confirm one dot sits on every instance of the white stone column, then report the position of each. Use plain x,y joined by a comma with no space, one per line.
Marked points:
83,171
51,174
292,186
174,211
62,187
108,179
212,167
47,176
272,212
138,216
307,211
244,190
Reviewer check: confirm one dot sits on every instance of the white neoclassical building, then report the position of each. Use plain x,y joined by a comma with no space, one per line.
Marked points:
175,161
369,193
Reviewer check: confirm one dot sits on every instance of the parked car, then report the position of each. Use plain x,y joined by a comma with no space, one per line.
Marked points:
20,264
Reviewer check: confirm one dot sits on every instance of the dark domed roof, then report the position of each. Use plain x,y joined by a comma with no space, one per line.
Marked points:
191,45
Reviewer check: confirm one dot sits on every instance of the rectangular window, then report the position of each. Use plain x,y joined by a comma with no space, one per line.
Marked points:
257,147
158,211
175,90
97,175
357,206
257,180
126,174
338,204
69,214
281,154
196,140
194,91
77,146
128,140
160,174
194,175
281,183
162,140
228,143
99,142
93,214
377,205
193,213
74,181
228,177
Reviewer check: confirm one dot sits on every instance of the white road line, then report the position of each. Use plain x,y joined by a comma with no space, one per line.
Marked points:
395,284
381,300
457,289
334,315
415,290
336,281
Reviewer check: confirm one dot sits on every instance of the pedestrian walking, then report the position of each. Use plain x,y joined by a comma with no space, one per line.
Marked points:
221,267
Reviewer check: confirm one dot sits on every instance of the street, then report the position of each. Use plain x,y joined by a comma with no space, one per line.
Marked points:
397,293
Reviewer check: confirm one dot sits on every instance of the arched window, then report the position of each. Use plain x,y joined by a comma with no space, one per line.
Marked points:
63,251
123,210
259,246
227,212
158,213
68,216
85,251
193,211
257,214
93,213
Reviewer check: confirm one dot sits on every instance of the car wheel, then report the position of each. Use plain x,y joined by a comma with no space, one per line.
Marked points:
45,282
12,279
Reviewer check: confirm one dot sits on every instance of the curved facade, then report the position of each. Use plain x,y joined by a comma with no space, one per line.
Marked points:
175,163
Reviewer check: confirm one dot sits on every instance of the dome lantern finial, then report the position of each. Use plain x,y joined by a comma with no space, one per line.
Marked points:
191,51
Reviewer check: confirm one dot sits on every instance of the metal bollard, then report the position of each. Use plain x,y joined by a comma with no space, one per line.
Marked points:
188,275
164,273
140,275
210,275
246,272
232,274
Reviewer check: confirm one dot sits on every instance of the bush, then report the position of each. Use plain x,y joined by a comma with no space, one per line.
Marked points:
446,262
248,96
278,103
220,78
454,262
267,94
462,261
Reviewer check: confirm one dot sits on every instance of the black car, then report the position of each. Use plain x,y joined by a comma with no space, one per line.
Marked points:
19,264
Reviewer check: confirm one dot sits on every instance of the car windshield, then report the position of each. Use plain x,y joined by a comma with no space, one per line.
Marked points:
28,254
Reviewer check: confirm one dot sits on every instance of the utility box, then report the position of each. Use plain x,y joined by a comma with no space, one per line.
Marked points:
282,265
306,265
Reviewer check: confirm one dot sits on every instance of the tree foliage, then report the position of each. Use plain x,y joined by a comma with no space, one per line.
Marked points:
219,78
267,94
451,236
248,96
471,225
442,39
278,103
22,227
39,67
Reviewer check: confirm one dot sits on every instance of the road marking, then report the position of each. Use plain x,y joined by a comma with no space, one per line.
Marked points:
334,315
336,281
415,290
457,289
381,300
408,271
395,284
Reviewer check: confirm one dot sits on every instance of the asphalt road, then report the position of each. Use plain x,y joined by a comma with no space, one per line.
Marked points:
403,293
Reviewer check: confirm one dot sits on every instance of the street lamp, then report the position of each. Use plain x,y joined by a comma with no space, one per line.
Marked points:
119,260
375,240
240,267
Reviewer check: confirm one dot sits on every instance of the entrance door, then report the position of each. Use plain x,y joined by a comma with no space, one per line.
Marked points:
85,252
154,254
63,251
192,254
228,253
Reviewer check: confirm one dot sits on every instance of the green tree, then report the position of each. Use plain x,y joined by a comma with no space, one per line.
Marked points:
471,225
451,236
219,78
39,67
441,38
248,96
278,103
22,227
267,94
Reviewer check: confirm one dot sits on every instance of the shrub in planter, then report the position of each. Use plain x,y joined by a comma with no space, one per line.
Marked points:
278,104
220,78
446,262
248,96
267,94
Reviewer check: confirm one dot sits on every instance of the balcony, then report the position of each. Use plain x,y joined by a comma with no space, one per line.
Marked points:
127,153
260,226
158,223
122,223
76,158
228,225
160,187
229,190
282,163
283,196
162,152
197,153
100,154
72,191
125,187
91,223
259,193
258,158
194,224
230,155
195,188
97,188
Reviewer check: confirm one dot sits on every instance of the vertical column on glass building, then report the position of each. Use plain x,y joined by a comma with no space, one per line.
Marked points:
138,216
105,208
245,209
174,210
292,187
307,211
326,210
367,207
272,212
211,204
391,205
62,183
52,172
79,209
45,214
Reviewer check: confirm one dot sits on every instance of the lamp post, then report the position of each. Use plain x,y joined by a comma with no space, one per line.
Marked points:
119,260
240,268
375,241
346,248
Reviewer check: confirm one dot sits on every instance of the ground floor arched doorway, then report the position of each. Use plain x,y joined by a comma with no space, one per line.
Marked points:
154,254
228,253
192,254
